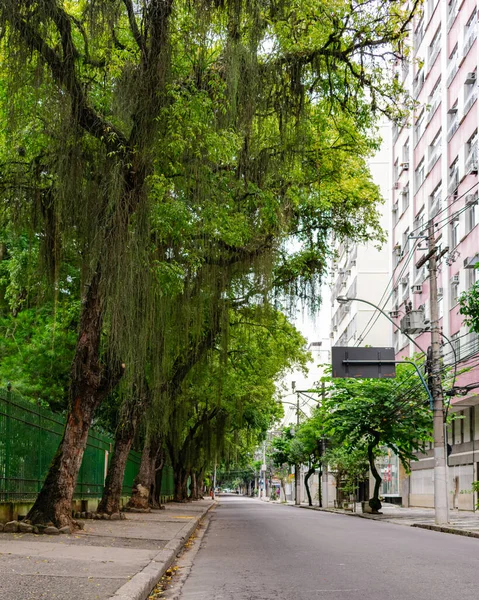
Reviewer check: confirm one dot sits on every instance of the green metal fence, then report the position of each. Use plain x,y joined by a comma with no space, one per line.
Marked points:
29,438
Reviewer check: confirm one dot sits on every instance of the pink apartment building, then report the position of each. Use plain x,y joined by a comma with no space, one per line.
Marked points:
435,177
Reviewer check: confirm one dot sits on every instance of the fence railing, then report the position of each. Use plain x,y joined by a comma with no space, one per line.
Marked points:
29,438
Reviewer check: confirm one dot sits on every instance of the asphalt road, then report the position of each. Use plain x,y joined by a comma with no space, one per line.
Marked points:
258,551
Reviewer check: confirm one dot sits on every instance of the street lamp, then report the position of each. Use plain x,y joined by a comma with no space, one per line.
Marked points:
441,499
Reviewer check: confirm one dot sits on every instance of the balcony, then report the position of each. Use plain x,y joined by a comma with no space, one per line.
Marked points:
470,101
471,160
433,158
451,72
418,83
433,53
454,183
470,39
452,128
451,17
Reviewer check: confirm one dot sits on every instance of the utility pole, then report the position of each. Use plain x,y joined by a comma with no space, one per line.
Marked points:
297,467
441,500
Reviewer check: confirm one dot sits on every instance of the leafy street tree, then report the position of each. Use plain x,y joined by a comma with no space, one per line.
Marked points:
378,413
350,467
469,306
147,140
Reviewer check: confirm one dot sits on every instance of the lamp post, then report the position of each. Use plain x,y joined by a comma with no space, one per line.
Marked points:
441,499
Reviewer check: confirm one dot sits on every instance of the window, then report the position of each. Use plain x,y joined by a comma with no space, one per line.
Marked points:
452,120
472,277
453,175
472,212
405,198
420,174
405,240
418,225
434,98
471,153
452,62
454,232
405,152
456,343
434,150
470,90
419,125
396,170
435,201
470,32
434,47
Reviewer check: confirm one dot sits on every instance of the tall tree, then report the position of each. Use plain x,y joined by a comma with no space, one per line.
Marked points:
223,129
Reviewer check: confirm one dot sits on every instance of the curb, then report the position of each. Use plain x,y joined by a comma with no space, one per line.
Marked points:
463,532
140,585
431,527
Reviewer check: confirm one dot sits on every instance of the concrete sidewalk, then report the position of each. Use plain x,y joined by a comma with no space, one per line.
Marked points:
120,560
461,522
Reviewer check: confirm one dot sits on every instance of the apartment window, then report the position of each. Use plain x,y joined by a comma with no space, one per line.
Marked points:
396,170
470,90
452,65
470,32
434,150
472,277
454,175
405,152
472,212
452,120
434,47
454,232
456,344
419,32
418,225
419,125
435,201
420,174
434,98
405,240
405,198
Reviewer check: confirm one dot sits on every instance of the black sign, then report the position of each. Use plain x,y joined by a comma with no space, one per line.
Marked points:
363,363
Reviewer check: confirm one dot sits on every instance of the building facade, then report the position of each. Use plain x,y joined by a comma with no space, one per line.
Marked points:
435,185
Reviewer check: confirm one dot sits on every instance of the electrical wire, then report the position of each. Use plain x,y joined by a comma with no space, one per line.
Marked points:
368,327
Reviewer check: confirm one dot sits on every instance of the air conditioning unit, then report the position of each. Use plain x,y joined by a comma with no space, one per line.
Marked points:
342,271
394,314
416,289
405,166
471,199
404,280
452,110
395,207
397,249
396,185
335,328
413,322
455,278
470,78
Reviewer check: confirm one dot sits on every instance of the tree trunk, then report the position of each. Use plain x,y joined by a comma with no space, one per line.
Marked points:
140,497
181,484
90,384
374,503
306,484
155,488
320,490
124,436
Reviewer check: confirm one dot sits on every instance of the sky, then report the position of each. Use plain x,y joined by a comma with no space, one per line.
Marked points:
314,329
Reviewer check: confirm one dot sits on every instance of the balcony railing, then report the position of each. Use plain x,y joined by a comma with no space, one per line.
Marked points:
470,101
452,128
451,17
469,41
451,72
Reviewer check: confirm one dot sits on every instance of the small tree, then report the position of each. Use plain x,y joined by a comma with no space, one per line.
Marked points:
374,413
469,303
